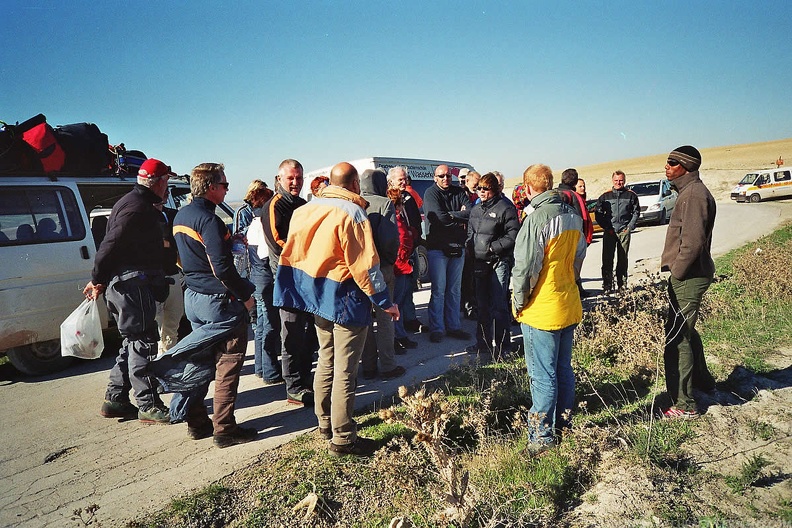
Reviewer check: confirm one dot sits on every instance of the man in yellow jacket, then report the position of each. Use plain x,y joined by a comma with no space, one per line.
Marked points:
548,255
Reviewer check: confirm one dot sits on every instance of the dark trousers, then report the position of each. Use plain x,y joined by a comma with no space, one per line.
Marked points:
685,366
297,351
132,304
468,291
618,243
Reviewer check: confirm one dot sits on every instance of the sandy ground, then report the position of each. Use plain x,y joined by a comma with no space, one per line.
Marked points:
57,454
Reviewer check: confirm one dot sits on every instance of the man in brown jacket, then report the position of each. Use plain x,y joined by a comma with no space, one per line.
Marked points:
687,256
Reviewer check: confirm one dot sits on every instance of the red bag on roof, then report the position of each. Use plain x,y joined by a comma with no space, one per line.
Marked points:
39,135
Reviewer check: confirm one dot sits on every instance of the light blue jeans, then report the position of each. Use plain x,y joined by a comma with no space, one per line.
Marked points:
446,276
548,356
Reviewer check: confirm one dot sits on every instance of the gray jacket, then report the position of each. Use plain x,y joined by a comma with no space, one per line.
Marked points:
381,213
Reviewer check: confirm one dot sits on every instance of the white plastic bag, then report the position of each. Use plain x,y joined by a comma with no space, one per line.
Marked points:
81,332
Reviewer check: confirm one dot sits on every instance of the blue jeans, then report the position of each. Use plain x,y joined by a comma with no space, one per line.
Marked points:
548,356
402,289
446,276
492,299
266,331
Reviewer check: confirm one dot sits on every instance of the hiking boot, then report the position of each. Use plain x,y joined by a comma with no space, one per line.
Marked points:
369,374
303,397
406,342
393,373
156,414
436,337
537,448
360,447
118,409
459,334
200,432
239,435
326,433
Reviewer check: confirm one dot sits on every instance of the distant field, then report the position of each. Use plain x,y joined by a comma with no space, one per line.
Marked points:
721,169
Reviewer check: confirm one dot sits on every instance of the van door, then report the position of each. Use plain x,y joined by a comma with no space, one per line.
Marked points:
783,184
47,254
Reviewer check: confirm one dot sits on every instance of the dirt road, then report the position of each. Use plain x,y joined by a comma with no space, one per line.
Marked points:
58,454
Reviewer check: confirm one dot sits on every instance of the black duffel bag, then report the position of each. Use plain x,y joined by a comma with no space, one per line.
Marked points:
87,149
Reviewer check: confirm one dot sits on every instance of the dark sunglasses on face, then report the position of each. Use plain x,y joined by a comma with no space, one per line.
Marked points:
442,176
672,163
224,184
483,188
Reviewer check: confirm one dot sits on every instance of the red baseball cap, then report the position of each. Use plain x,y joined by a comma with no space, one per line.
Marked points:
154,168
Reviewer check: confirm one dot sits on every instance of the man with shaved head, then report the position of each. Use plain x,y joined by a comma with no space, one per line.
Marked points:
329,267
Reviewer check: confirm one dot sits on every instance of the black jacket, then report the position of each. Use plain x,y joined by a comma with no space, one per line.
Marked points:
492,230
204,245
276,216
447,221
618,210
134,237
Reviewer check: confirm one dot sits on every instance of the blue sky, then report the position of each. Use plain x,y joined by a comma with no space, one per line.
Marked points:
499,85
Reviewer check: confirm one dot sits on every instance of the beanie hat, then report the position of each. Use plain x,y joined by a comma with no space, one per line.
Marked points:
154,168
687,156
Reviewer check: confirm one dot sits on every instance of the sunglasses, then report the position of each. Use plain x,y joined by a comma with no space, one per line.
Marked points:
224,184
442,176
672,163
483,188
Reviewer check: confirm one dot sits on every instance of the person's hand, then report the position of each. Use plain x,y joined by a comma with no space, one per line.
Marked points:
93,291
249,303
393,311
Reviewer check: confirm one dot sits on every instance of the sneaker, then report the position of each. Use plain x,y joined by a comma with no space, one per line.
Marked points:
406,342
398,348
360,447
239,435
326,433
118,409
200,432
269,383
537,448
674,413
459,334
436,337
303,397
393,373
156,414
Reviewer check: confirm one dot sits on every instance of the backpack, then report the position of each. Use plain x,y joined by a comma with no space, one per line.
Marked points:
576,201
37,133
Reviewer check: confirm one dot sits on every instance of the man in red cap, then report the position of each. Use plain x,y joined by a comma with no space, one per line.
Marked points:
128,269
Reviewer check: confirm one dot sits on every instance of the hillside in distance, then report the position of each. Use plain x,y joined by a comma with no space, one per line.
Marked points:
721,169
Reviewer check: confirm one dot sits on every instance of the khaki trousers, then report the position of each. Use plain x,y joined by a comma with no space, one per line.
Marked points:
340,348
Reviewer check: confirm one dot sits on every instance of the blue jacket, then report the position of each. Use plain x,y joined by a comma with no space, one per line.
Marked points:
204,245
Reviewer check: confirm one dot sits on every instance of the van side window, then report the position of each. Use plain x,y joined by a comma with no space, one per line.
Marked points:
37,215
783,176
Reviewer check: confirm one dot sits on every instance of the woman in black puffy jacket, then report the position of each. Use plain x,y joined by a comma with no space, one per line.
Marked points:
492,230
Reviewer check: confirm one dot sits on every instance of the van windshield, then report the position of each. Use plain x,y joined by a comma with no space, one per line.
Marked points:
748,179
645,189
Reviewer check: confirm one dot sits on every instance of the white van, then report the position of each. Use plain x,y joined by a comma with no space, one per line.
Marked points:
657,200
420,171
764,184
48,239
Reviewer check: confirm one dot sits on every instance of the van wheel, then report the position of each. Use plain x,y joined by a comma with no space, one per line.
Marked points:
39,358
755,198
422,261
